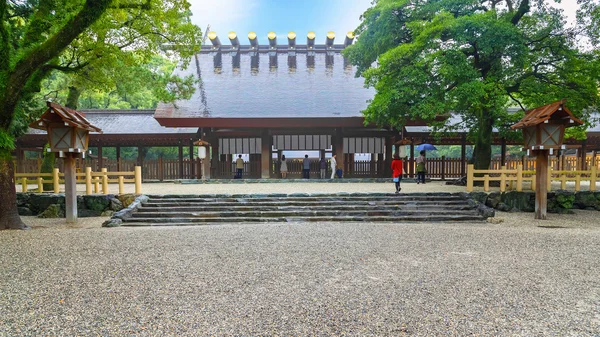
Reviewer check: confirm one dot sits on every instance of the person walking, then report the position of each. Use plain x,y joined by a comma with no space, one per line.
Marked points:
323,167
239,166
397,172
333,166
283,167
421,168
306,167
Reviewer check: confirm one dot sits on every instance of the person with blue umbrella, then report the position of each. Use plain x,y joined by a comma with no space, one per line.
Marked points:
421,162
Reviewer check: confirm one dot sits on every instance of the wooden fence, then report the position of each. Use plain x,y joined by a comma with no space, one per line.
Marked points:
95,181
171,169
514,178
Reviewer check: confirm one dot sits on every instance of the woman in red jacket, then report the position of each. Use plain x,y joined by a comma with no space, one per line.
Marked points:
397,172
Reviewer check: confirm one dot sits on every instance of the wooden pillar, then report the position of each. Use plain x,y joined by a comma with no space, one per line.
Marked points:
389,142
161,172
191,171
70,188
214,153
265,154
583,155
541,183
118,150
594,154
20,160
140,160
463,155
100,161
397,149
180,160
372,167
503,153
411,163
337,142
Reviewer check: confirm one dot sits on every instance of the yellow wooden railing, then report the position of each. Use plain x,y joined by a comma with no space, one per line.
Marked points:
515,178
94,181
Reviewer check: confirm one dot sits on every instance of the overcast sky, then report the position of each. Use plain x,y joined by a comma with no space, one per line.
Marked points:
283,16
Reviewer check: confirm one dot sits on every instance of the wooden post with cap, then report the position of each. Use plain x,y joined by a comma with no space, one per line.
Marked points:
543,130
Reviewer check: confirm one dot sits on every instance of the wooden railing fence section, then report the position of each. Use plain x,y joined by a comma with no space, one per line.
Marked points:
96,182
513,178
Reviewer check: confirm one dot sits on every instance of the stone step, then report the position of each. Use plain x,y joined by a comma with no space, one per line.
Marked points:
329,203
305,213
395,197
287,207
238,220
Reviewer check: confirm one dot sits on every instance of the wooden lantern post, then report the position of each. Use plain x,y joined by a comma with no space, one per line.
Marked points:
68,135
543,131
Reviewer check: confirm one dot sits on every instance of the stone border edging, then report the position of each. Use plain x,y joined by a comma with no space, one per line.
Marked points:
117,219
280,181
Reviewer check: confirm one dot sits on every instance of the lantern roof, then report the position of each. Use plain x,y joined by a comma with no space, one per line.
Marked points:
57,113
554,111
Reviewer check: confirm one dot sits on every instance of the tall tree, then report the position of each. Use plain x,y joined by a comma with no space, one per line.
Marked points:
473,58
39,36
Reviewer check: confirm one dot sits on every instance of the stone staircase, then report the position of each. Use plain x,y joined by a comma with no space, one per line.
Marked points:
190,210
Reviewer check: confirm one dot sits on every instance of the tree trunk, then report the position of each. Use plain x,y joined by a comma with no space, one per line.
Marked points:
9,214
73,97
482,152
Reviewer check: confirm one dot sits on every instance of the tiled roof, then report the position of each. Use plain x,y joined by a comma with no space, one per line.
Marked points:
127,122
302,91
539,115
57,113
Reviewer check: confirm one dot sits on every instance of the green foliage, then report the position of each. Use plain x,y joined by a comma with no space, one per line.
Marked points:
471,58
565,200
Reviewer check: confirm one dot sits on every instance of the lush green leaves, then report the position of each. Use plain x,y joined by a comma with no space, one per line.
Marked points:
474,58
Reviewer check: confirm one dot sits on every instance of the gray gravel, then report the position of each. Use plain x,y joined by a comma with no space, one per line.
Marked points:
512,278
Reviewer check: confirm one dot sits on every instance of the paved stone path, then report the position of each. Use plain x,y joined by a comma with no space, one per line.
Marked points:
512,278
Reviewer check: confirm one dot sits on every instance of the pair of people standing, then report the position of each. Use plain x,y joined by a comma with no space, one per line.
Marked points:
306,167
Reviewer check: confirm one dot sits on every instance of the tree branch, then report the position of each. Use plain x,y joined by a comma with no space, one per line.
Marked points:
517,101
50,49
524,7
145,6
65,69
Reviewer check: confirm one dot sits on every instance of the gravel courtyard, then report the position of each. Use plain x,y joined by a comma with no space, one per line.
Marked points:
512,278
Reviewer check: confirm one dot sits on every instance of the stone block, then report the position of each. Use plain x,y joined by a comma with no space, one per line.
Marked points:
52,211
127,199
493,199
116,204
96,202
107,213
25,211
585,200
23,199
522,201
88,213
112,223
479,196
41,201
560,201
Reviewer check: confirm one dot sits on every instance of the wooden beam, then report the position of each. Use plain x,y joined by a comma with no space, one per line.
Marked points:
411,161
180,161
265,154
100,162
503,152
541,183
463,155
